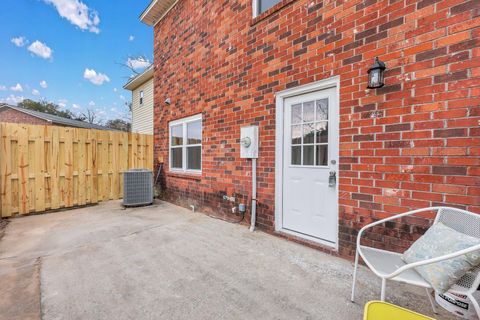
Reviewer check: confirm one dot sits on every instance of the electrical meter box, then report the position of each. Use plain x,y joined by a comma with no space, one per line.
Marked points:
249,142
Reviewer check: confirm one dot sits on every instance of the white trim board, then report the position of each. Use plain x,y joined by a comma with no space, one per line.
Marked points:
333,82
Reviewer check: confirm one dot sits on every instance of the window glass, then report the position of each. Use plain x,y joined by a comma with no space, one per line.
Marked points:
141,97
322,155
177,155
308,111
194,132
177,135
264,5
296,155
308,155
322,132
194,158
308,133
322,109
297,134
297,113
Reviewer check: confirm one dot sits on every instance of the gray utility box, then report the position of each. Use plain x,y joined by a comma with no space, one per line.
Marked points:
137,187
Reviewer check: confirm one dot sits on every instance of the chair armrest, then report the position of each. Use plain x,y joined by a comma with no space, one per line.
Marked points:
397,216
433,260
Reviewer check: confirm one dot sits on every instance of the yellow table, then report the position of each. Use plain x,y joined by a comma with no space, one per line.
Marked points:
378,310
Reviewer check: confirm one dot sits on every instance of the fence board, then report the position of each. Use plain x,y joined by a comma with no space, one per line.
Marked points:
49,167
23,173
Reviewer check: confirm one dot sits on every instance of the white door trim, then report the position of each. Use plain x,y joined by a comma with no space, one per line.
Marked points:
333,82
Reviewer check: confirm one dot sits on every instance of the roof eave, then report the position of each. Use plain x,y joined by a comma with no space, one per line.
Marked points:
139,79
26,112
156,11
146,12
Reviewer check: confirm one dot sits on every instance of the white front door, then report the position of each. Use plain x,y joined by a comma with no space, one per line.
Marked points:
310,156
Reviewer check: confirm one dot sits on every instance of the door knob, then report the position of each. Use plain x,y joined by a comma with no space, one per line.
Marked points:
332,179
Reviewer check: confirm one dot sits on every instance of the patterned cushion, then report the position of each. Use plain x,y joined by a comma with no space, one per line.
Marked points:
438,241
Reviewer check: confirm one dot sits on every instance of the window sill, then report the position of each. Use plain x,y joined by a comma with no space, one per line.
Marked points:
270,11
185,175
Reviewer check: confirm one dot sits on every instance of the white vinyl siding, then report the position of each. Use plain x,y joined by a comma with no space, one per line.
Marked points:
142,114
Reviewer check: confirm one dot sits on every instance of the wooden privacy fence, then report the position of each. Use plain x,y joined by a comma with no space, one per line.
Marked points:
49,167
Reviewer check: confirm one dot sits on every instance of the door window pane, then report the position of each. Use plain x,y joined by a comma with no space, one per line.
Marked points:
194,158
322,110
321,155
308,111
321,132
308,133
194,132
177,135
177,158
296,155
308,155
297,113
297,134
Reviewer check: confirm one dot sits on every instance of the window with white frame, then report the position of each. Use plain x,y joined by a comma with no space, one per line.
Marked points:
260,6
310,133
141,97
186,144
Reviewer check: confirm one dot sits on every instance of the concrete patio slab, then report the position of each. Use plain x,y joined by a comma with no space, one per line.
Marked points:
165,262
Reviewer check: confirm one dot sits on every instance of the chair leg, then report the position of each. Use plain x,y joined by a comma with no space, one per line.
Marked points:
384,286
432,302
475,304
354,276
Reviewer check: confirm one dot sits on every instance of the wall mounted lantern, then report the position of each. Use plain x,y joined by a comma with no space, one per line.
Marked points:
376,75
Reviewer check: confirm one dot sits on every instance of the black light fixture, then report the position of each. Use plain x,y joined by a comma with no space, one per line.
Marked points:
376,77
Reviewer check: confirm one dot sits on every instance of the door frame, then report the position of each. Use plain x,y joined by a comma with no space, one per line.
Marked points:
333,82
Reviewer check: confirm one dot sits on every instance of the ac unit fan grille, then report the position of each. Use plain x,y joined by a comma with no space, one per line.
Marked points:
137,187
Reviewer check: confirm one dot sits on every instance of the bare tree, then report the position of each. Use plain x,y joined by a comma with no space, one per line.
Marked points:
135,64
90,116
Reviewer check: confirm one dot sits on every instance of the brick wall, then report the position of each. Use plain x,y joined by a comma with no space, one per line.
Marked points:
411,144
14,116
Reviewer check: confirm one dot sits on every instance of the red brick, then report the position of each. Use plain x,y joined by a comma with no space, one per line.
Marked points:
14,116
417,135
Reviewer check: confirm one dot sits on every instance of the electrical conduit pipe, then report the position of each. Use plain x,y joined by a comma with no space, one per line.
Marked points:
254,195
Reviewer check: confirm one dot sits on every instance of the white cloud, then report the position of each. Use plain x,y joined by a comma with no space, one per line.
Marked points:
78,13
35,92
3,88
12,99
62,103
19,41
138,63
122,97
43,84
40,49
91,103
75,106
115,89
95,78
17,88
131,38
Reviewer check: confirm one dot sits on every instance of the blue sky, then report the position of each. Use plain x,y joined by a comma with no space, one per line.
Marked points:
67,52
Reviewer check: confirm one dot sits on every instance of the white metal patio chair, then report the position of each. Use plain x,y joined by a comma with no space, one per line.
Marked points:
389,265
